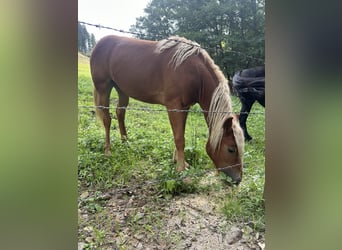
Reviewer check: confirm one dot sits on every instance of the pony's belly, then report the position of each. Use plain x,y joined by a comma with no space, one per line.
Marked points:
142,95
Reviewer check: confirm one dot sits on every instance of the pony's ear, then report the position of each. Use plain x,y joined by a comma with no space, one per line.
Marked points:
227,125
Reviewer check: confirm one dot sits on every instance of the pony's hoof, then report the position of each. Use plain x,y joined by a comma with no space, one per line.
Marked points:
108,153
180,168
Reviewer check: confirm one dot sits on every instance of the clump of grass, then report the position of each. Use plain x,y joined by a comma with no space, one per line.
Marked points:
173,182
246,205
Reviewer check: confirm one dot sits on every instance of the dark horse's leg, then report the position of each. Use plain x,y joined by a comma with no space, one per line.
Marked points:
178,120
261,100
247,104
102,92
121,112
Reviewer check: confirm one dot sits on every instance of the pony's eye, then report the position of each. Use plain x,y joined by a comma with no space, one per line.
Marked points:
231,150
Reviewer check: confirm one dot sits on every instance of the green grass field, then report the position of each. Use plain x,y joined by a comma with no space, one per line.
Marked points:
146,158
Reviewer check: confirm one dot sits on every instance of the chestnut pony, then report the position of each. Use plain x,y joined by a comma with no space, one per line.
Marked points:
176,73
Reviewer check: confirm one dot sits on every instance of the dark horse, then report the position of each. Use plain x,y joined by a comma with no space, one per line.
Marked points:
176,73
249,85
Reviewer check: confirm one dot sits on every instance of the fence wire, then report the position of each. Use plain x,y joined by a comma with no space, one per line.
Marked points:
261,60
150,183
163,110
145,109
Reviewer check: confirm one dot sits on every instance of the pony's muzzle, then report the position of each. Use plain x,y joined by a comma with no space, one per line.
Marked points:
234,174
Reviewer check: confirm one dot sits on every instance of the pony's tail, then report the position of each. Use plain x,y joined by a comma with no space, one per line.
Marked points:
99,112
101,101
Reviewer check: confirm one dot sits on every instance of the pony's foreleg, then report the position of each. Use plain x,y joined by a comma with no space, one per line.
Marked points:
177,120
121,112
102,99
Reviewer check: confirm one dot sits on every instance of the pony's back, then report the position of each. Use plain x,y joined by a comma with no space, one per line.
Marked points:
249,78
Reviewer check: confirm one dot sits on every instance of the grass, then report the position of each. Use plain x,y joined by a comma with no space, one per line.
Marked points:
147,157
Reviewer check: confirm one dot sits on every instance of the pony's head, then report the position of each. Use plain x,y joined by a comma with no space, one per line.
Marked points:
225,144
227,155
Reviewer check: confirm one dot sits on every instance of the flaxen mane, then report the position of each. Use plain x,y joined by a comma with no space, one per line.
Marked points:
220,106
185,48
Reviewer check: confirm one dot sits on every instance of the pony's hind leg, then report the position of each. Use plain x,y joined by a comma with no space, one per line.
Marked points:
101,98
121,112
261,100
245,109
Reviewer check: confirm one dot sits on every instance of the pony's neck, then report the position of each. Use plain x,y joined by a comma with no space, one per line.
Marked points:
211,79
206,92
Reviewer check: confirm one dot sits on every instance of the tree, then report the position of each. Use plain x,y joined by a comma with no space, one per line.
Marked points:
232,31
158,23
91,42
86,41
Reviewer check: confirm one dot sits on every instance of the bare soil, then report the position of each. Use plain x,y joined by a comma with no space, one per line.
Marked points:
143,219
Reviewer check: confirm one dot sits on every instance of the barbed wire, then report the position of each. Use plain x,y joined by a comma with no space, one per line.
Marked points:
170,110
162,36
145,109
186,176
114,29
181,178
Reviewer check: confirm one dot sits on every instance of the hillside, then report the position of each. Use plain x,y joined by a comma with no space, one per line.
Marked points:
82,58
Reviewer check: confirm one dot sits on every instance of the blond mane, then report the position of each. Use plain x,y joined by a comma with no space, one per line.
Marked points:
185,48
220,107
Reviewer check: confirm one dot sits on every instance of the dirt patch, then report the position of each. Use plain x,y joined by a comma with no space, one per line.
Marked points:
195,218
144,219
